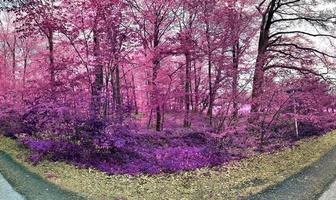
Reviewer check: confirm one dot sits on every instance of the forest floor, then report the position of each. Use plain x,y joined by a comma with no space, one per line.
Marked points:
236,180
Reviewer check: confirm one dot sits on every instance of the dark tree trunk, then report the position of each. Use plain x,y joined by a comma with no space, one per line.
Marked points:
134,96
107,95
156,66
196,88
14,58
158,124
51,59
118,98
211,94
258,79
24,77
99,81
235,56
187,99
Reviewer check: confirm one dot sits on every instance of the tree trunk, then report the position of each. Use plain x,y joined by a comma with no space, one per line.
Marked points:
14,58
156,66
187,99
235,56
127,88
134,96
99,80
196,88
24,76
158,125
51,59
118,97
258,79
211,97
107,95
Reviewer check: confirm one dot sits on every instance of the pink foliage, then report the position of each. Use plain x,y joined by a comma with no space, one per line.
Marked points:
131,86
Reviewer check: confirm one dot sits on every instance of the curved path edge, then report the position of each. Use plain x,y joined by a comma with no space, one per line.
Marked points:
31,185
310,183
7,192
330,193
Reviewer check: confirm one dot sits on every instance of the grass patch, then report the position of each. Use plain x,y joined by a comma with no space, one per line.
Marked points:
238,179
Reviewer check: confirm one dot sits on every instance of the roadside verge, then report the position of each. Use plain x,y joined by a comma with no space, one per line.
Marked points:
308,184
30,185
237,180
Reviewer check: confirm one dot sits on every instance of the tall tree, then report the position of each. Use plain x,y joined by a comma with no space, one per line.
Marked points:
278,38
156,20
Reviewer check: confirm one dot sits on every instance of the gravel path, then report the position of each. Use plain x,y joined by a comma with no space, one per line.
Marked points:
330,193
309,184
7,192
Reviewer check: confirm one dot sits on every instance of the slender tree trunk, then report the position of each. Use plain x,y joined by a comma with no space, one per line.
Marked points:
127,88
150,118
25,63
158,125
14,58
99,80
51,59
107,95
192,100
118,95
235,56
187,122
156,66
5,61
196,87
211,97
112,82
134,96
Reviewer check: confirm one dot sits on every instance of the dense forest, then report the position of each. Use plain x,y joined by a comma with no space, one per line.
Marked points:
145,86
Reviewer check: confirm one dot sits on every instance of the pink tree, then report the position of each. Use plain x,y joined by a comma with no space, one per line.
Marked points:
156,20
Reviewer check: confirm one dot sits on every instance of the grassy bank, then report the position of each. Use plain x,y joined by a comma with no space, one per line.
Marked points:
239,179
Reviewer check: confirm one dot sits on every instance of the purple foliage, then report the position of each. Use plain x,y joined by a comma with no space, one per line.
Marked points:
122,151
56,132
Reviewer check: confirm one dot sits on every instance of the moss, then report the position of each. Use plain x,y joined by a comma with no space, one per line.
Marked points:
238,179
